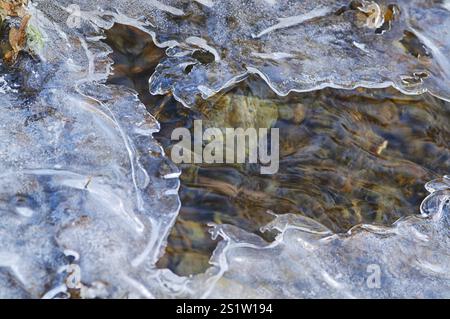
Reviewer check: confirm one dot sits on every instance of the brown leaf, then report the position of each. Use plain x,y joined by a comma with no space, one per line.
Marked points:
17,40
13,8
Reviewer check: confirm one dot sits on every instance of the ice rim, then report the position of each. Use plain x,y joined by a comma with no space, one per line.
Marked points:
88,197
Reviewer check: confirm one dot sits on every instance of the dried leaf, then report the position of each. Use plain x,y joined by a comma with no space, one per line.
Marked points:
13,8
17,40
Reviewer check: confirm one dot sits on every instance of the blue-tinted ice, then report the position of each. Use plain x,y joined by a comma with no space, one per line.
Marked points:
87,197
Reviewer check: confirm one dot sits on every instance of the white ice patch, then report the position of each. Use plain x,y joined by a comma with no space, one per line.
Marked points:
5,87
163,7
360,46
292,21
274,56
208,3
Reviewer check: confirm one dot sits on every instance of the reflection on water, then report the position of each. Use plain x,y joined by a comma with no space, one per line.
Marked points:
346,157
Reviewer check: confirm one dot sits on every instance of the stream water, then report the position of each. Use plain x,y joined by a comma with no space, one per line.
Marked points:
346,157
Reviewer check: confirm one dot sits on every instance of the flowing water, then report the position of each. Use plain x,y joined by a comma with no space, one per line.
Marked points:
346,157
92,206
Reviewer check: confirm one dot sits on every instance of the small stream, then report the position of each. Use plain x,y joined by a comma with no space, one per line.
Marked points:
347,157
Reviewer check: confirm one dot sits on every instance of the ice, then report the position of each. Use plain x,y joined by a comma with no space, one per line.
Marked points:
81,174
87,196
316,40
78,175
306,260
402,43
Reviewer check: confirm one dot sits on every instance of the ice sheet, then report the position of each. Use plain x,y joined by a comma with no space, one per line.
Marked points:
87,197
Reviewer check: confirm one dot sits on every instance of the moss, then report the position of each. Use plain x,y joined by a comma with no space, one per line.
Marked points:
35,41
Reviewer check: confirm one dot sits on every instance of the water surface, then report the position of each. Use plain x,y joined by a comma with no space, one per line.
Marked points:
347,157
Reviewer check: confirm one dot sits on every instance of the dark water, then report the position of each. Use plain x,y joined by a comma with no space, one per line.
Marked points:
346,157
